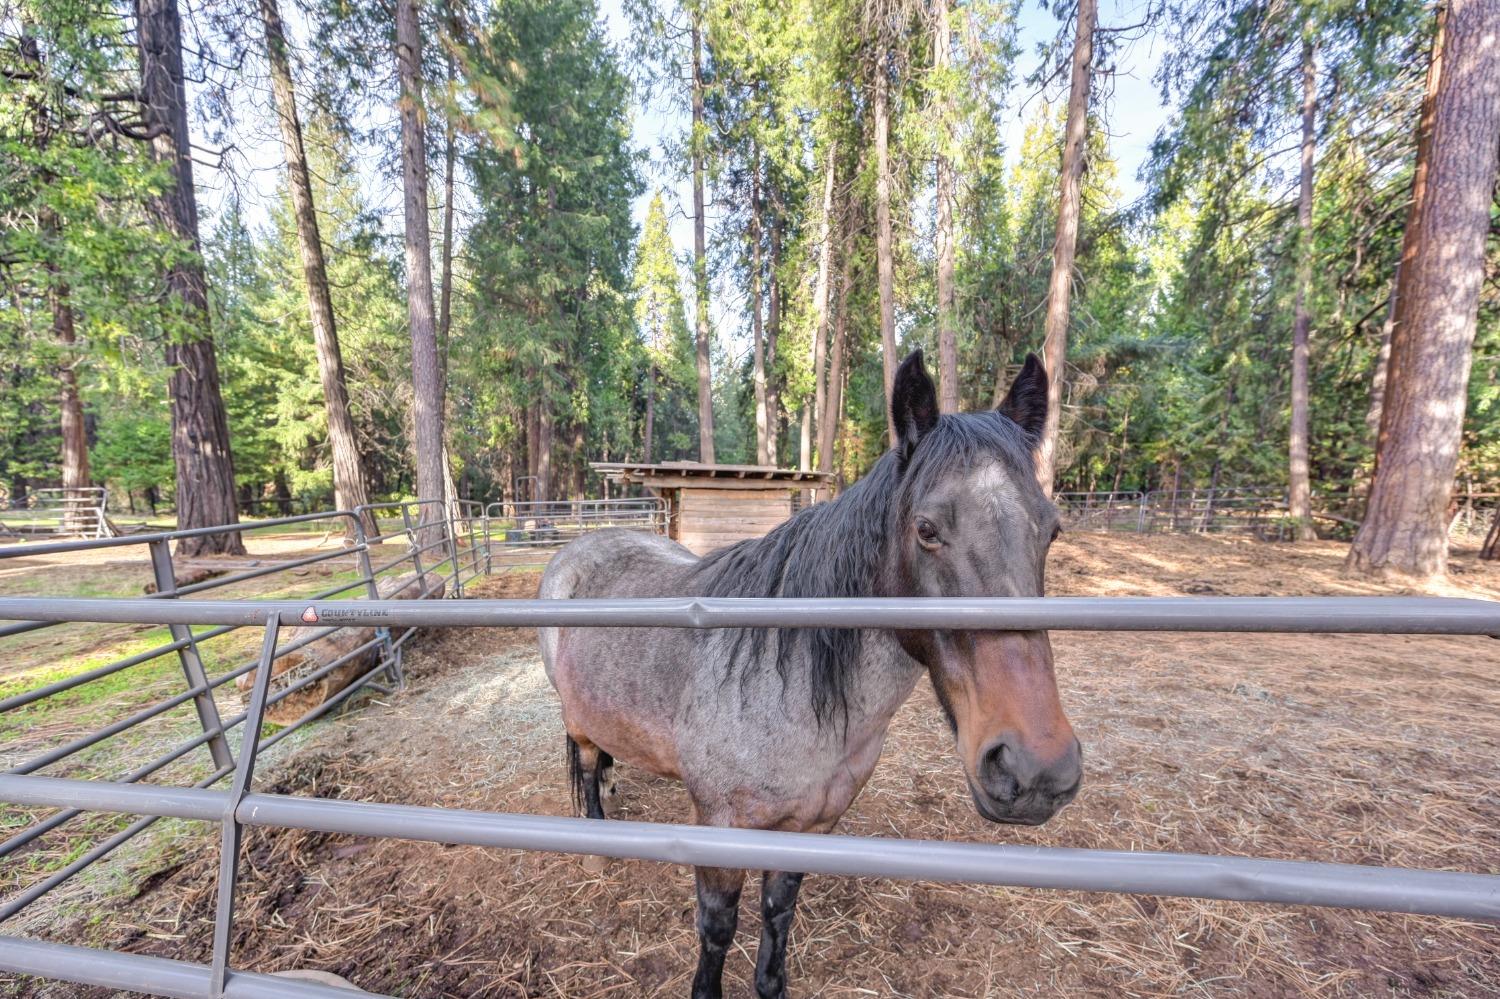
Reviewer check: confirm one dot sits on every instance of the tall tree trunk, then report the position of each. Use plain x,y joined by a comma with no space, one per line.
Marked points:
544,435
426,368
75,439
200,427
820,303
1404,531
1055,339
650,411
947,300
757,333
75,442
832,412
773,336
445,300
700,260
884,250
1299,498
349,487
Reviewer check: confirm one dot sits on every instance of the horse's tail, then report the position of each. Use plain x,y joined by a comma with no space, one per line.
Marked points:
576,776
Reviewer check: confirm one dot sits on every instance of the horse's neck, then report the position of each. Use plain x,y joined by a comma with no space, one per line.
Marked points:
884,680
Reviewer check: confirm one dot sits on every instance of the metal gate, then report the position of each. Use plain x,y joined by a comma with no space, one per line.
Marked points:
461,551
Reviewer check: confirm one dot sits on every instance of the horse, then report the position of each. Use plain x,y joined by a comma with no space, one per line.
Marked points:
781,728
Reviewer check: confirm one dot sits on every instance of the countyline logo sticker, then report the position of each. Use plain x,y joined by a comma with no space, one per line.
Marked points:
312,615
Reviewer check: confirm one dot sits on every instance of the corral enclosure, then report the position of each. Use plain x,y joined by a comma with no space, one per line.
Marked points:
1376,750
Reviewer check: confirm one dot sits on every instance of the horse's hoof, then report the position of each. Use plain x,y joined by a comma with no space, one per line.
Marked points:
595,865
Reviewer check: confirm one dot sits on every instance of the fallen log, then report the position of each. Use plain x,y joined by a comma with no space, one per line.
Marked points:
302,662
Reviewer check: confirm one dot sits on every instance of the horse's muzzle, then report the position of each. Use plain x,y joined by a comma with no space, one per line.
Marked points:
1014,786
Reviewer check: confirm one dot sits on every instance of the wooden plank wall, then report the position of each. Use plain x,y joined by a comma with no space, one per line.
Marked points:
713,518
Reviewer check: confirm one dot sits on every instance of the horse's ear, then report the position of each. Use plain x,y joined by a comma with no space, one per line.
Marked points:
1026,402
914,404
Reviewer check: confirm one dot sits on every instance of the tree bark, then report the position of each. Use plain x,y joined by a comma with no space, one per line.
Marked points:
349,487
773,337
884,250
820,306
700,259
832,413
947,299
75,440
426,369
1299,498
1404,532
200,427
650,411
544,448
757,332
75,444
1055,338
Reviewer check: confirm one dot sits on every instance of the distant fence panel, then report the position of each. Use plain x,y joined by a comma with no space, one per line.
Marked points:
1252,511
528,533
1107,511
57,513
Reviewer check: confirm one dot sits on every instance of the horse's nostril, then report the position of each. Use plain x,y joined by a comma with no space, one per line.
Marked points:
994,763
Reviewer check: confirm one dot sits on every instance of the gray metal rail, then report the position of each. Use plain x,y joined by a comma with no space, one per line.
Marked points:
1324,615
1240,879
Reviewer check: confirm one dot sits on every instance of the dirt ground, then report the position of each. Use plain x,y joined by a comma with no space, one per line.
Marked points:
1370,750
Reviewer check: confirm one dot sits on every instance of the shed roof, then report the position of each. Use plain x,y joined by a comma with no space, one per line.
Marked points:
688,473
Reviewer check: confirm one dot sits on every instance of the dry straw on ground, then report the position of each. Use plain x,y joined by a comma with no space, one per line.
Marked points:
1377,750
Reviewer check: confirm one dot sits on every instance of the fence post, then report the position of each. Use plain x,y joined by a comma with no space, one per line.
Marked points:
372,589
230,831
452,530
187,655
414,539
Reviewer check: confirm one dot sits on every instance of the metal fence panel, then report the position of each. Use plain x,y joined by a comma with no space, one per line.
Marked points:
459,543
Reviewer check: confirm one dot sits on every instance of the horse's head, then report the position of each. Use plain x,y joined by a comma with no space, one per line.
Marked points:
971,521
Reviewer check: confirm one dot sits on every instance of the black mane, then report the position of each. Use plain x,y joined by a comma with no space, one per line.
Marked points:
837,548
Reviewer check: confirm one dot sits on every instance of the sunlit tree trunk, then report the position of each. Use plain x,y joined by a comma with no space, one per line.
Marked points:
773,338
757,331
349,486
200,426
1055,340
650,411
947,300
700,258
75,440
1404,531
813,407
445,299
832,412
426,369
885,264
1299,487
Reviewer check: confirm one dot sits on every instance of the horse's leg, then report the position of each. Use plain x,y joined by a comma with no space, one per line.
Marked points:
585,761
718,911
778,902
606,774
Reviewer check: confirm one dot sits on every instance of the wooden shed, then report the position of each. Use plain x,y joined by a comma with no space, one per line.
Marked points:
710,506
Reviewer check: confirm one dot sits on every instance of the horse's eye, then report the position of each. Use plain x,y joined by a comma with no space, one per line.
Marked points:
927,534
